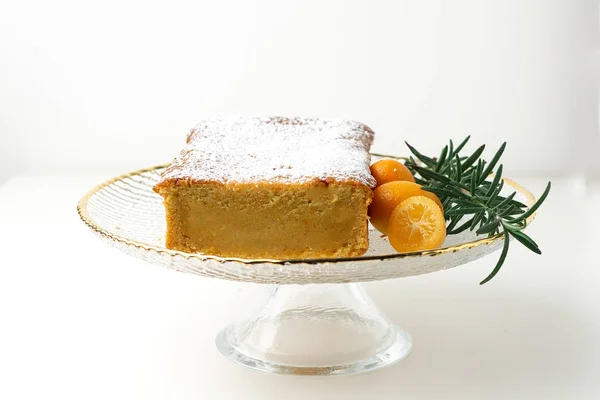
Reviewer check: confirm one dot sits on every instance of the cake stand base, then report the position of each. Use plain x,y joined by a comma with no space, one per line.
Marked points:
317,329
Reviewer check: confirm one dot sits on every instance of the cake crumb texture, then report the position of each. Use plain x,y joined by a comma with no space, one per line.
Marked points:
278,221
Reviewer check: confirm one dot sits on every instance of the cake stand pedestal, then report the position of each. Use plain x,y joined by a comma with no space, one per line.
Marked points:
316,329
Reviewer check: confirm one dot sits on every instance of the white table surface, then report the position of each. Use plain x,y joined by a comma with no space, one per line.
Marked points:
80,320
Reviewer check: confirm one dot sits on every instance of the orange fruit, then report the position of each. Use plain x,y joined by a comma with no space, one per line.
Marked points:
387,196
416,224
387,170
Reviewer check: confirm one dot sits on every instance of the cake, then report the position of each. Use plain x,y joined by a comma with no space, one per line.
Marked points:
270,187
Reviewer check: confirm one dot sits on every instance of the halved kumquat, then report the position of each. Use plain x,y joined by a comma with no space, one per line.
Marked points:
416,224
387,196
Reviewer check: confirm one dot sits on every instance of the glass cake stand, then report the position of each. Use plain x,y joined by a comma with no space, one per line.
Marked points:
317,319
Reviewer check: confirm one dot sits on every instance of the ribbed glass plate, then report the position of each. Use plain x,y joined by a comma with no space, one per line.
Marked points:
130,216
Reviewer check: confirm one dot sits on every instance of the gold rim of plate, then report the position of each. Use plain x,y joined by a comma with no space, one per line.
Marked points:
84,215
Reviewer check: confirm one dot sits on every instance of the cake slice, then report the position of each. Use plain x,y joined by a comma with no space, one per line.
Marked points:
270,187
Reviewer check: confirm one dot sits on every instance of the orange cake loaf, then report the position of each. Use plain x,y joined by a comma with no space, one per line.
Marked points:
270,187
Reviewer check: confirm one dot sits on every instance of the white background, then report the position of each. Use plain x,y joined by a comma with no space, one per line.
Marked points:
116,85
90,90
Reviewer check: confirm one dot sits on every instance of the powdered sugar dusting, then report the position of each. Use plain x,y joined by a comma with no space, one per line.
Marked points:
287,150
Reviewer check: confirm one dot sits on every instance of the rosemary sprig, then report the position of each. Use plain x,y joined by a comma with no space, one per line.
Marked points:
471,199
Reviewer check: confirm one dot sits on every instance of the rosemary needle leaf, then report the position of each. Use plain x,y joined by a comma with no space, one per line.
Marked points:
476,220
506,201
512,210
525,240
442,159
474,182
497,190
453,223
430,162
489,227
469,161
466,210
500,260
494,161
439,191
429,174
448,191
447,202
537,205
461,228
461,145
458,167
518,204
495,182
409,163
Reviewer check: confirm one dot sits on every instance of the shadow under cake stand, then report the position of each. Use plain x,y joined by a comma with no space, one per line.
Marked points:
316,319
